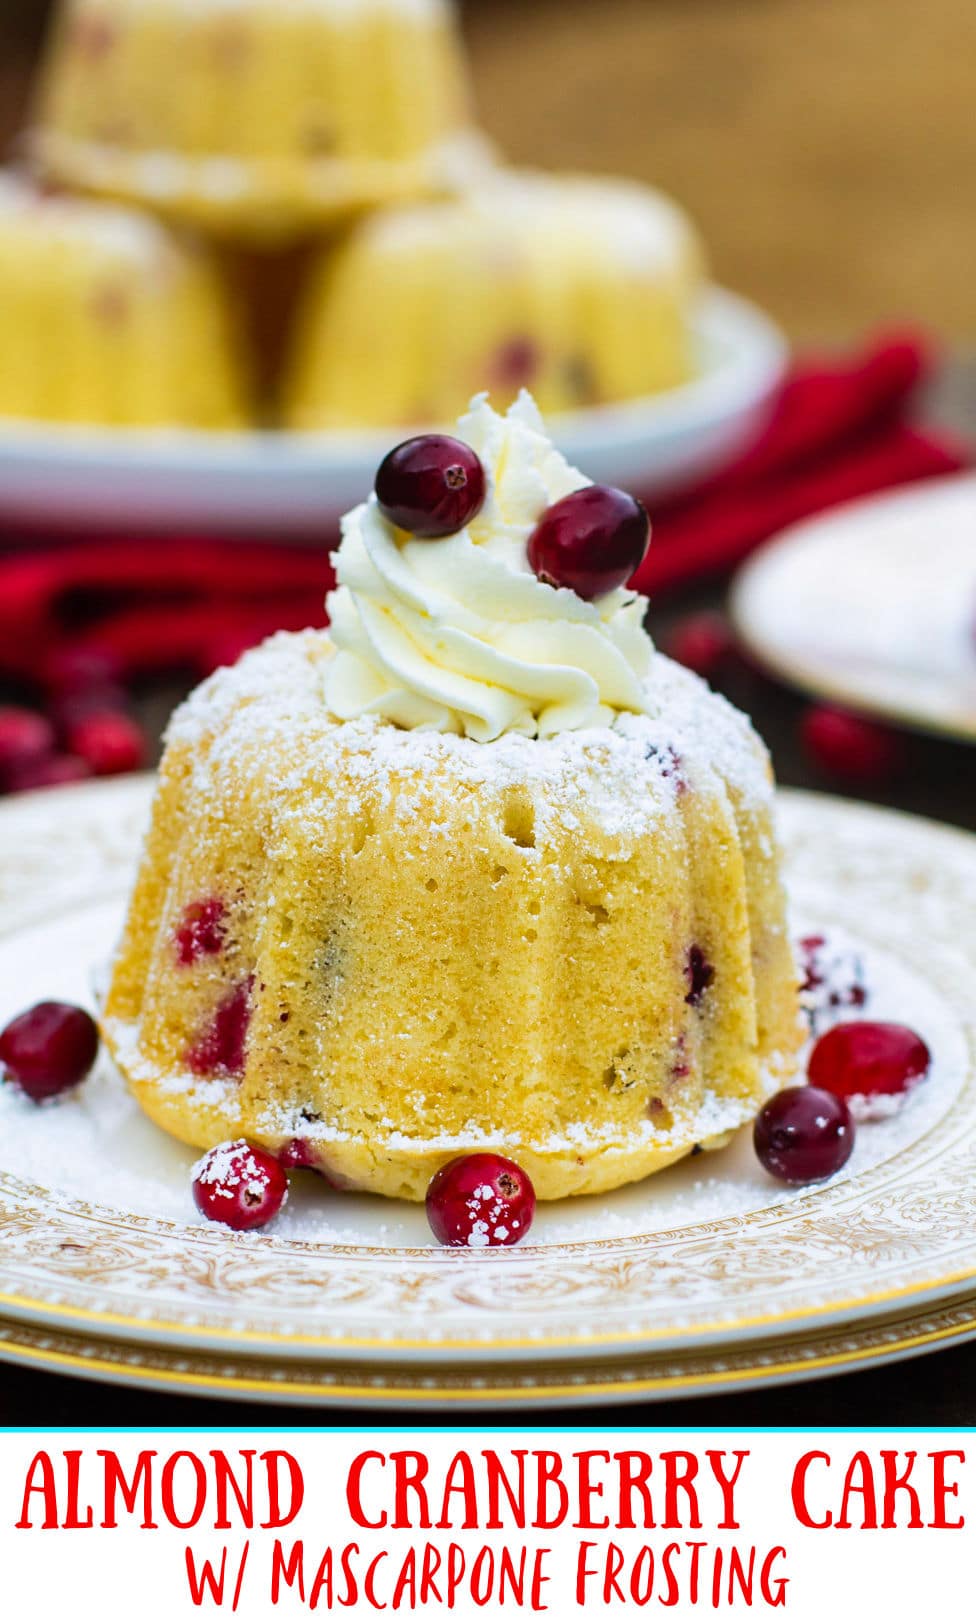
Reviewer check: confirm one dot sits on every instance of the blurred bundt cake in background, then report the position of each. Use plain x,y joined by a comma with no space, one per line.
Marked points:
580,289
254,117
109,318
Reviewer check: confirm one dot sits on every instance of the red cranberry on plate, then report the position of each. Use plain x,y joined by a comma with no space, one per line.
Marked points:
803,1134
431,486
239,1185
865,1059
48,1049
591,541
702,642
480,1201
849,746
110,743
75,671
54,770
25,738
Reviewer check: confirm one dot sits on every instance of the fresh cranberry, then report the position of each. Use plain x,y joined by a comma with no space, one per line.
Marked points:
803,1134
591,541
239,1185
109,742
25,738
850,747
200,931
869,1060
699,974
48,1049
431,486
58,770
219,1049
480,1201
702,642
71,671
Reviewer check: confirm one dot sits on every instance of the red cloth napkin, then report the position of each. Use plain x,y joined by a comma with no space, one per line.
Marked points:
837,431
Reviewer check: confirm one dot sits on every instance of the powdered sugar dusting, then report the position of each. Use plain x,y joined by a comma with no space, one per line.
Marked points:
270,708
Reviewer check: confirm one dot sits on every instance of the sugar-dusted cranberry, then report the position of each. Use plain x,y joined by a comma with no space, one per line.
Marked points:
591,541
803,1134
48,1049
699,974
109,742
431,486
201,930
850,747
219,1049
57,770
832,980
865,1060
25,738
480,1201
703,642
239,1185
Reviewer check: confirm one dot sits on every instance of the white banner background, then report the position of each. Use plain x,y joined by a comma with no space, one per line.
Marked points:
134,1572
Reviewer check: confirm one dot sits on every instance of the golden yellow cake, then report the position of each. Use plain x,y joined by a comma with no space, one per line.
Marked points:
109,319
582,290
253,117
475,869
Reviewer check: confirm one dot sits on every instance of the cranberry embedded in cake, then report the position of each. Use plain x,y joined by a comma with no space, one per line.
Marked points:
591,541
480,1201
699,974
218,1051
240,1186
515,364
431,486
48,1049
201,930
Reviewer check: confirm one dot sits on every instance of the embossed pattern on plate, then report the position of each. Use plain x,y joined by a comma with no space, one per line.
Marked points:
902,1223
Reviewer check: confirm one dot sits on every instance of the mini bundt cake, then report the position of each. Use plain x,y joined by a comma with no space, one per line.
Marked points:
474,870
109,319
581,290
254,117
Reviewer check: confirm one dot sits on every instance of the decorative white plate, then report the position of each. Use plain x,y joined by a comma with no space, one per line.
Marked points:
874,605
499,1385
98,1234
290,485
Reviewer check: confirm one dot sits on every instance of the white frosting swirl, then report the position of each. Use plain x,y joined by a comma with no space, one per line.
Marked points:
459,634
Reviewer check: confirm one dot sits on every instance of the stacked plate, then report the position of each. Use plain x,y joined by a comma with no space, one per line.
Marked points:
707,1277
288,485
